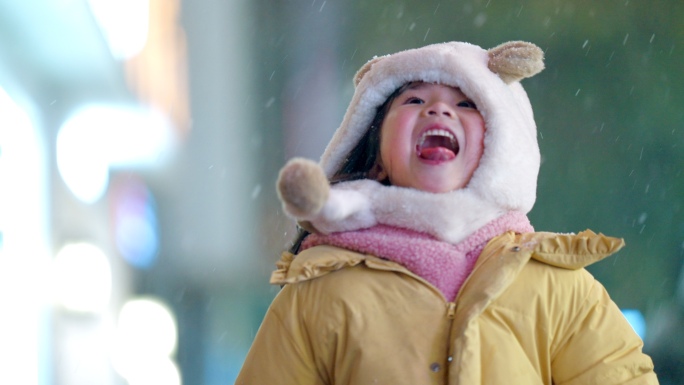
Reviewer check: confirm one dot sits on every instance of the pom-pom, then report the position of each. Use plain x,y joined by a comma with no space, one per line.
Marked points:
302,188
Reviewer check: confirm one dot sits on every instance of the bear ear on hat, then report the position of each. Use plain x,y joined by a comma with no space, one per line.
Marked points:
515,60
365,68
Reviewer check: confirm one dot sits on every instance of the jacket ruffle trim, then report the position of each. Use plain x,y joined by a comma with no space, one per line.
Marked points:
575,251
307,265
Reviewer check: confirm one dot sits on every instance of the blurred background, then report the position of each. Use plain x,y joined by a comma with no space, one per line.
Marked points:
140,141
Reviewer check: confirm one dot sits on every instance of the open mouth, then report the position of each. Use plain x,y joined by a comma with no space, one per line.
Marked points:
437,145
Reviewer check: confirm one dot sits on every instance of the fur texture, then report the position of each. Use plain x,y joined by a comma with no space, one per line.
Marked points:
302,188
515,61
505,180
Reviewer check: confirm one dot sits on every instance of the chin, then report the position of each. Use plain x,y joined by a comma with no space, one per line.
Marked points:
440,183
438,188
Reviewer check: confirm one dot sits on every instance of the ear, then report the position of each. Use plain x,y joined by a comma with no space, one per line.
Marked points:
365,68
516,60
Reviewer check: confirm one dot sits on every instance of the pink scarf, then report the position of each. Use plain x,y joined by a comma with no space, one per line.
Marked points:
444,265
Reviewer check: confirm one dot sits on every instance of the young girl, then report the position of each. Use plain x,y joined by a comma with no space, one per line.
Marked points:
418,264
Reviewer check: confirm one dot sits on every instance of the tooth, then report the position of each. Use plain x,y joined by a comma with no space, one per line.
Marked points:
438,132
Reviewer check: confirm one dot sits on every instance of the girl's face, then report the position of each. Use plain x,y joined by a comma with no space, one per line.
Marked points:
431,139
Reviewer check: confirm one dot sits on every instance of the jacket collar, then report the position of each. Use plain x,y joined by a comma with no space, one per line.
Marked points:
568,251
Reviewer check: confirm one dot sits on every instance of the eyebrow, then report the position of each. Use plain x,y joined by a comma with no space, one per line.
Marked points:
414,85
420,84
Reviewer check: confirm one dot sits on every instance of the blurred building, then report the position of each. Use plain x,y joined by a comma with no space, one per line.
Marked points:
123,213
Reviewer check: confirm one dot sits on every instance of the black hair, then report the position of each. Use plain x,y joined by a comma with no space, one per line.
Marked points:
362,162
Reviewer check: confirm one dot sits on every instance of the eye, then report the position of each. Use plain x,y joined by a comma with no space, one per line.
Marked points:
414,100
467,104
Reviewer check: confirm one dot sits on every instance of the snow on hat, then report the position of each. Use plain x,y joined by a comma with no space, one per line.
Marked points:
505,180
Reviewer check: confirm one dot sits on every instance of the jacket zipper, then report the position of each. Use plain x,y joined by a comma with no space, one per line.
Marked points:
451,310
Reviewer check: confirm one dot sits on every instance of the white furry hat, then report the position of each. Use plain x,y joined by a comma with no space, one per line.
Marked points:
505,180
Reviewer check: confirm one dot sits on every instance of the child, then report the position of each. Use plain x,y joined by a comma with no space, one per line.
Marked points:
418,264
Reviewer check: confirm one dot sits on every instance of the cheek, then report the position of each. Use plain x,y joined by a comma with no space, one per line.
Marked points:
478,131
480,141
387,145
387,136
396,136
476,138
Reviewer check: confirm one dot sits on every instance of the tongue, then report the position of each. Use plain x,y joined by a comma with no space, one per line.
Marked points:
436,153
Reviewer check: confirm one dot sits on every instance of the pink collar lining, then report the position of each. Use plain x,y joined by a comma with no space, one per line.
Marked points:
444,265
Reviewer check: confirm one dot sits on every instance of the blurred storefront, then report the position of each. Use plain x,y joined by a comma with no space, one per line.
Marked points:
122,211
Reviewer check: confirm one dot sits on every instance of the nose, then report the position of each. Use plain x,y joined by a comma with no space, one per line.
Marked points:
440,109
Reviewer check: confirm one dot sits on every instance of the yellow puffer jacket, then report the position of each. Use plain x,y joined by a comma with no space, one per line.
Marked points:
528,314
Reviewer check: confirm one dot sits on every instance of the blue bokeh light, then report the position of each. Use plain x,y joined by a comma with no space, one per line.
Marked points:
636,319
136,230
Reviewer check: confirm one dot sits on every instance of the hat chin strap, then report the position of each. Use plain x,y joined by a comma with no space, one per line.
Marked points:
450,217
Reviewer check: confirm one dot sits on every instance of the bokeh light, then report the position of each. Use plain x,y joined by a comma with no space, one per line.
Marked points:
81,162
637,320
145,342
124,23
23,250
134,219
82,278
99,137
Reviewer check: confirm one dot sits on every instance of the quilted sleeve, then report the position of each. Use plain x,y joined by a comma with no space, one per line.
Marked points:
281,352
597,345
